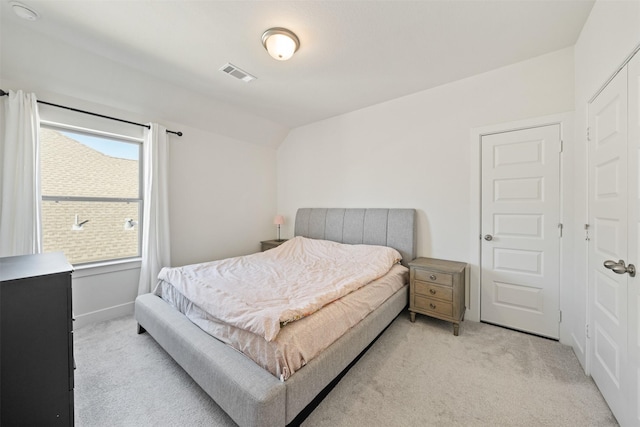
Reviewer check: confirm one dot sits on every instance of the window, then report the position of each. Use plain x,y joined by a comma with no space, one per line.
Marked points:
91,194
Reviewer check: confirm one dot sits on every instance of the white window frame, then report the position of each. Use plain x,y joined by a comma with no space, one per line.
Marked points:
118,263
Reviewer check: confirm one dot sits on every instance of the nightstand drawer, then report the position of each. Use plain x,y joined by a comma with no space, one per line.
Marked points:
434,291
433,277
437,289
270,244
436,306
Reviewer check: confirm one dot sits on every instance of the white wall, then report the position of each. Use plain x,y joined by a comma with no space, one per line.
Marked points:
102,293
223,196
414,151
610,34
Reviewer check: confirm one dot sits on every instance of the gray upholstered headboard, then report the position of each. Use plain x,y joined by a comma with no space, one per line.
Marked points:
395,228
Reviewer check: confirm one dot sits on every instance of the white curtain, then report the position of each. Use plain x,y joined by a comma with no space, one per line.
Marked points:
155,218
20,194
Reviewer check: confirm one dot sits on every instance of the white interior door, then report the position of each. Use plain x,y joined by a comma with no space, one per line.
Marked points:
613,220
633,284
520,258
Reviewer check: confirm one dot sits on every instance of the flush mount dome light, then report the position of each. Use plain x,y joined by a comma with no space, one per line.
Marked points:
280,43
23,11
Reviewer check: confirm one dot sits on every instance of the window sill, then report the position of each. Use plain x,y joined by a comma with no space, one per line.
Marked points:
106,267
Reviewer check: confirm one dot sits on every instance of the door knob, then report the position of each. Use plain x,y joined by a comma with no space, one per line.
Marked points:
620,268
488,237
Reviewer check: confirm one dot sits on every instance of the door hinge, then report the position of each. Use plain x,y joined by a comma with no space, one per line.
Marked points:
560,321
560,227
586,330
586,232
561,146
588,134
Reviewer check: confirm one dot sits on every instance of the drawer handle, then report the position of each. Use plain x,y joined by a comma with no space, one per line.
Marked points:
432,277
432,291
432,306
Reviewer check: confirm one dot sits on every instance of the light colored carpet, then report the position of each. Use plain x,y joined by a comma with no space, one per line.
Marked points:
416,374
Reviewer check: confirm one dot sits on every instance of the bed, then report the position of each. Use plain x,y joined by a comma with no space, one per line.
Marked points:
251,395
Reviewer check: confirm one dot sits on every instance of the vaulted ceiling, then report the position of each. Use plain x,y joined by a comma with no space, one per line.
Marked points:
353,54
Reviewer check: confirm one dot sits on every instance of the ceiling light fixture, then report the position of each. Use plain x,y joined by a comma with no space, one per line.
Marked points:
280,43
23,11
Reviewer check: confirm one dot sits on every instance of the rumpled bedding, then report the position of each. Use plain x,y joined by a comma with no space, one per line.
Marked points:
298,342
262,292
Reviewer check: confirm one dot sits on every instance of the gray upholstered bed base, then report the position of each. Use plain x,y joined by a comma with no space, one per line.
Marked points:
249,394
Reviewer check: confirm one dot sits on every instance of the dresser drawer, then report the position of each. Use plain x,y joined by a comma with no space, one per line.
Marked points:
433,291
436,306
434,277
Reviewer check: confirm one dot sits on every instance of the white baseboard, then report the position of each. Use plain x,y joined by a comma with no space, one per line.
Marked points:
103,315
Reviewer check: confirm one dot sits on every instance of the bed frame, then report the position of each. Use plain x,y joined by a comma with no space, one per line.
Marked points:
250,395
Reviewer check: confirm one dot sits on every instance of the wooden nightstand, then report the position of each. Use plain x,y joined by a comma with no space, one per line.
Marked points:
437,289
270,244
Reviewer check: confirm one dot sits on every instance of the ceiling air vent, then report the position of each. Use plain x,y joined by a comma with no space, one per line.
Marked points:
236,72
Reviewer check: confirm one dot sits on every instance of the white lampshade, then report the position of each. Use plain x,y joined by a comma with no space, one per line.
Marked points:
278,220
280,43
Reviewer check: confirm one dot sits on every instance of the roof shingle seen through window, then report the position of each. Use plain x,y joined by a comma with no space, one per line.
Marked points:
70,168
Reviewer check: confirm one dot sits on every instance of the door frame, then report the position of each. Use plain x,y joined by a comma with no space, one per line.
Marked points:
566,122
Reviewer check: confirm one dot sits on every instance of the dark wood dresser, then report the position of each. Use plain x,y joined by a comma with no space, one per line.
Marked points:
36,340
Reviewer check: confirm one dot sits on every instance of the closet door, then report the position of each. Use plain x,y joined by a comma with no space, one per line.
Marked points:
633,289
614,196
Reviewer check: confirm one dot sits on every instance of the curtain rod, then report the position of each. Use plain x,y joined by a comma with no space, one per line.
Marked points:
3,93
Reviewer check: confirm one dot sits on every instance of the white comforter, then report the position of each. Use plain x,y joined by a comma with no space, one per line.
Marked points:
263,291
